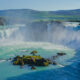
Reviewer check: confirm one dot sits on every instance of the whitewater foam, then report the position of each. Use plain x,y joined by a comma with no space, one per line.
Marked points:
43,45
70,24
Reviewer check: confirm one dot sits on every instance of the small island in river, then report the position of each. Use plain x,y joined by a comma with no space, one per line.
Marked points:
33,60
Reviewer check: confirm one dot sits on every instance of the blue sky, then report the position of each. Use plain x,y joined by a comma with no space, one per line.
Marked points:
47,5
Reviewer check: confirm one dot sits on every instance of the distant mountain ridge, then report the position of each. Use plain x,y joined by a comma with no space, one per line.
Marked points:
24,15
62,12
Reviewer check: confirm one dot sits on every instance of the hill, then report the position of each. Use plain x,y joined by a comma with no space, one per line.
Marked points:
28,15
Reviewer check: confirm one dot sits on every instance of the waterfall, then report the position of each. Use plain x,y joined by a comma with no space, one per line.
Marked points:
24,33
54,32
48,30
70,24
7,32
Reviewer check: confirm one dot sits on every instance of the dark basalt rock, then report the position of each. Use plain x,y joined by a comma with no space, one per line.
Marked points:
61,54
31,61
33,68
54,63
35,60
54,57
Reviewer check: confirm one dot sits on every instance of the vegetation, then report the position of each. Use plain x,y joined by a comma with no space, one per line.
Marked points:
35,60
28,16
33,52
31,60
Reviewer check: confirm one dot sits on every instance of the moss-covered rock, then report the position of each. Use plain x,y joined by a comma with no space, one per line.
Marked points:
31,60
46,63
34,52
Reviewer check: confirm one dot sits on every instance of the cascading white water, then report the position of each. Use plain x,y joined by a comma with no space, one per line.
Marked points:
64,33
48,30
5,33
70,24
54,32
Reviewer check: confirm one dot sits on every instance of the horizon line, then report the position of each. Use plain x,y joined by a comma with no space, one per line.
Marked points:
37,10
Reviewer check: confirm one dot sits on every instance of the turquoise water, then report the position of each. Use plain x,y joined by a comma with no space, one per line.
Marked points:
8,71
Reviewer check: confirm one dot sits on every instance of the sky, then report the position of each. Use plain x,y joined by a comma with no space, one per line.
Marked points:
42,5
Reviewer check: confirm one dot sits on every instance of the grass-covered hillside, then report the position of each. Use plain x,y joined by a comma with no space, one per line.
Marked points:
28,15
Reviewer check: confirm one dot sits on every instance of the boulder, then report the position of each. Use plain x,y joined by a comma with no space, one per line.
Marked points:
31,61
61,54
